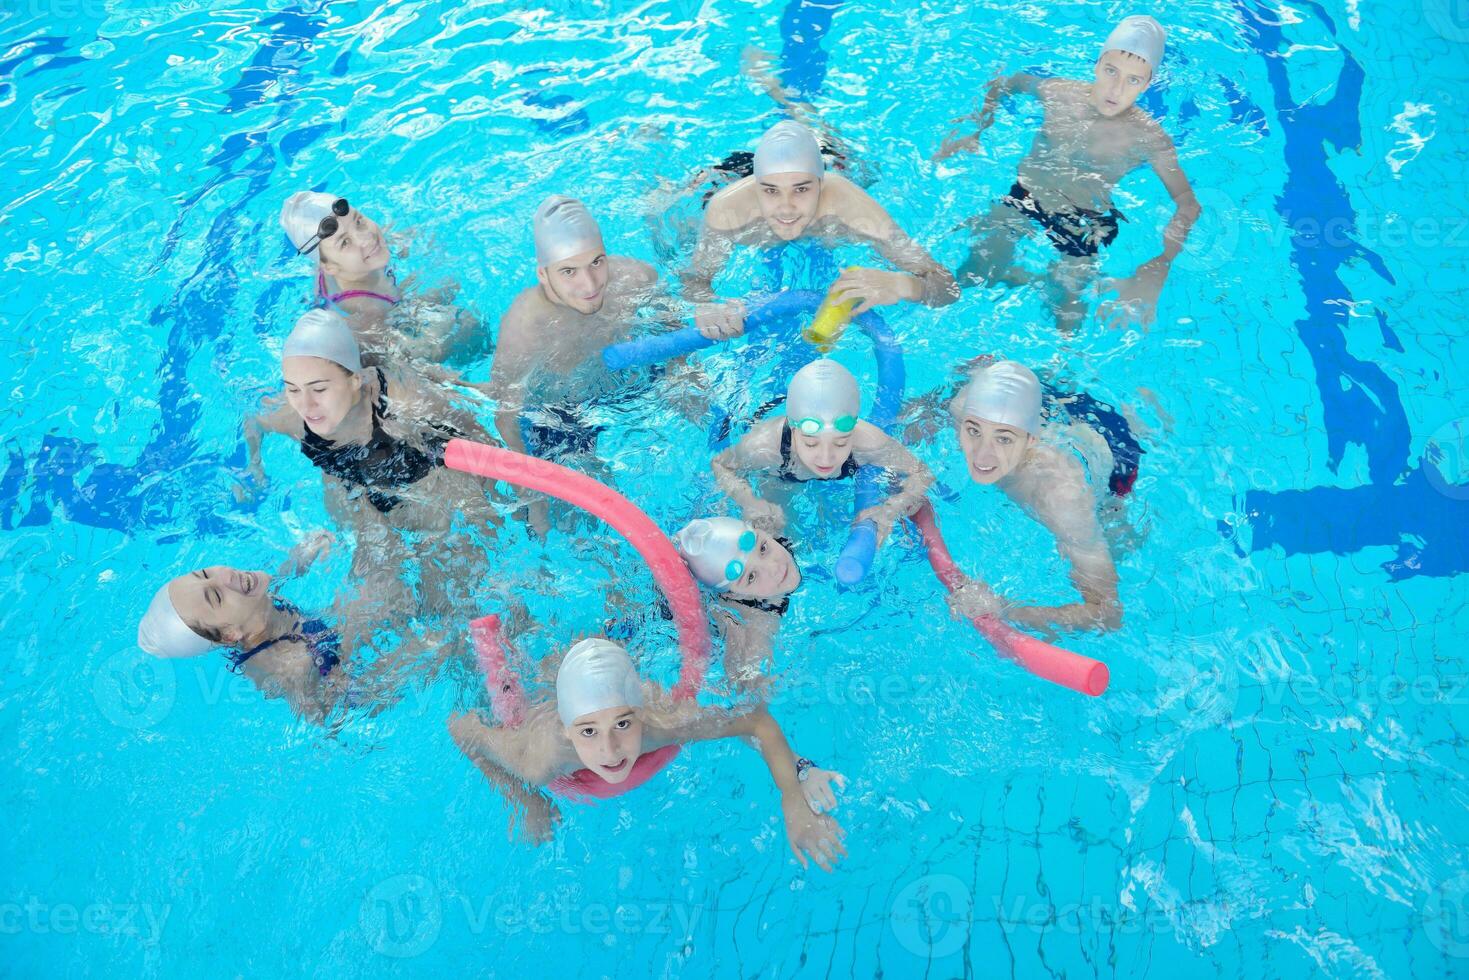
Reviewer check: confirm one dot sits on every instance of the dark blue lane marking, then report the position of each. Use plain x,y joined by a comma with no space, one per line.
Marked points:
803,60
1361,402
71,475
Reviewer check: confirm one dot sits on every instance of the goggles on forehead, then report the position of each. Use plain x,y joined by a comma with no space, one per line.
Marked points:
736,566
327,228
811,426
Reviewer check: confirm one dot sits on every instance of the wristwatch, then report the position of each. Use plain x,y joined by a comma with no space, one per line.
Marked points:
803,769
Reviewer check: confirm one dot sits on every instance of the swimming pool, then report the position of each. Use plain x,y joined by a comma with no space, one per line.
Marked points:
1269,788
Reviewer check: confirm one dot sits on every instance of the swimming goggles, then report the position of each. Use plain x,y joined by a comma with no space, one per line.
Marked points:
736,566
810,426
327,228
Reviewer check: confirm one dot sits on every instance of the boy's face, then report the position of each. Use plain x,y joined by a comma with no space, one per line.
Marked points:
991,451
579,281
788,202
1120,79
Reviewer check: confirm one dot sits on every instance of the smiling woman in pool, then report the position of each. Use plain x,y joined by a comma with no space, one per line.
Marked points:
284,653
373,432
353,278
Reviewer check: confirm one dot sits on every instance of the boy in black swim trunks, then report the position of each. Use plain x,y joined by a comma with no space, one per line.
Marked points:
1092,135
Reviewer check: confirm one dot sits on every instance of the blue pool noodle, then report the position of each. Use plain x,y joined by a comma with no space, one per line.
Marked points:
765,313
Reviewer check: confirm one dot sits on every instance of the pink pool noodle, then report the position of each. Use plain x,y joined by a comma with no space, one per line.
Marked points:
668,569
507,696
1037,656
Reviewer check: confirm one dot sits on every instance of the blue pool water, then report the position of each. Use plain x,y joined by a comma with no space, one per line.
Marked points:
1274,785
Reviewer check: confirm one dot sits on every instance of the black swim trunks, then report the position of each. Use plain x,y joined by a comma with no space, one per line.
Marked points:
558,433
1127,452
1074,231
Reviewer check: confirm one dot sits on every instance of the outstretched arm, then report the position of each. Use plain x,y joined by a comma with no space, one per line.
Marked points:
922,280
889,454
732,469
1137,295
998,89
531,812
812,836
710,255
1070,514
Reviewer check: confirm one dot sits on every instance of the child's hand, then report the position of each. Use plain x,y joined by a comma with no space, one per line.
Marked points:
1137,297
817,789
812,836
871,287
539,823
765,516
880,515
720,321
974,601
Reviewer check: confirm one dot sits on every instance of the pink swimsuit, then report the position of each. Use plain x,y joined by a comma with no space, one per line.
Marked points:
584,784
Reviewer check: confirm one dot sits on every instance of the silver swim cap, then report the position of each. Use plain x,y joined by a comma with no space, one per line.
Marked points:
788,148
1005,393
1140,35
712,547
163,632
822,390
596,675
302,213
322,333
563,227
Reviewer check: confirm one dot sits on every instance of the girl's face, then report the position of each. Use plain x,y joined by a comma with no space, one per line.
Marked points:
608,742
824,453
357,251
222,600
992,451
770,571
788,202
322,392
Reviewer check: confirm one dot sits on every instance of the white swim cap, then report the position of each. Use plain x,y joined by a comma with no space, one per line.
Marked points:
822,390
712,546
302,213
322,333
788,148
1005,393
1140,35
164,633
596,675
563,227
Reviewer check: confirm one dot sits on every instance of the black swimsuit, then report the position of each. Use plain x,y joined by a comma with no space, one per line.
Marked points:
382,463
848,470
1080,232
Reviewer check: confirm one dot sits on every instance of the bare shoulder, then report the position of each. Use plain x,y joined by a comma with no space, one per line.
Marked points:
632,272
529,750
1057,92
731,208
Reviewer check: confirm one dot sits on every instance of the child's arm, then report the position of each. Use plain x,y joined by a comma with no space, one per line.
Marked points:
812,836
1137,295
922,279
998,88
1069,512
733,466
889,454
477,741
